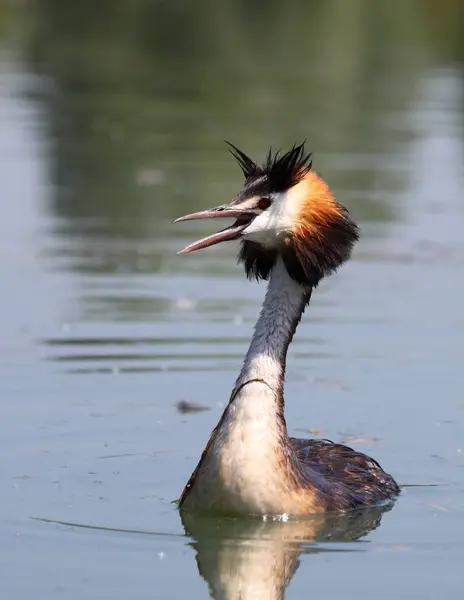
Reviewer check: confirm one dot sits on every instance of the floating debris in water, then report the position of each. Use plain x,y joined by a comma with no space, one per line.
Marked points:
363,440
311,431
398,548
439,507
183,406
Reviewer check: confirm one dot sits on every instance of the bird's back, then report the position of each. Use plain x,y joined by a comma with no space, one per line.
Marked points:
346,479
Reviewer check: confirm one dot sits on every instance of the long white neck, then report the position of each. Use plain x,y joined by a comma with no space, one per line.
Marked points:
281,312
243,468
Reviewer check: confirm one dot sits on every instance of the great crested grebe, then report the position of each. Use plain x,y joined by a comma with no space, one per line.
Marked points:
293,233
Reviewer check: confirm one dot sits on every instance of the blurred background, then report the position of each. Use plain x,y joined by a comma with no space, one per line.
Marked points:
117,356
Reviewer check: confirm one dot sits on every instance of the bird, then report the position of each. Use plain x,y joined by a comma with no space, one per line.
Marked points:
292,233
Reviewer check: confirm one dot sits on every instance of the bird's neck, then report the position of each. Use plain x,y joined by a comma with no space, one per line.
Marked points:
281,312
244,467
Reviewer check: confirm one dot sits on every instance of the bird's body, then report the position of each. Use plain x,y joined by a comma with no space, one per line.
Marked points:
294,233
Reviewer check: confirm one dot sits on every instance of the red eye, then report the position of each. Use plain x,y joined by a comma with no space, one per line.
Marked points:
264,203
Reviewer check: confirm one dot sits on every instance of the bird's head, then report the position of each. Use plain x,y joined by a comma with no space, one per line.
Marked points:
284,209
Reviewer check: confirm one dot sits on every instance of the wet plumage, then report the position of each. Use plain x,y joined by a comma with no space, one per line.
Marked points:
348,479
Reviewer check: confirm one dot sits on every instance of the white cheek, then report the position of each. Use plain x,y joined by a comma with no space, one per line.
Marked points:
273,222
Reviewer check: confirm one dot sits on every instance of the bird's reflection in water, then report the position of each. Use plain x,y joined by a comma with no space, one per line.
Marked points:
255,559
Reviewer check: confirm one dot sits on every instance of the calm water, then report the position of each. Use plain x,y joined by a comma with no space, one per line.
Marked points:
112,126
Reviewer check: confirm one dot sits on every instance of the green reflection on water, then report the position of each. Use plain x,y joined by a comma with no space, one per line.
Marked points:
139,96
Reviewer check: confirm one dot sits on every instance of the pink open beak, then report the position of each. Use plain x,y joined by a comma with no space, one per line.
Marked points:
243,218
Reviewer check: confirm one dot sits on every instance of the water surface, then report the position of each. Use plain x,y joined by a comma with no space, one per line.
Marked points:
108,131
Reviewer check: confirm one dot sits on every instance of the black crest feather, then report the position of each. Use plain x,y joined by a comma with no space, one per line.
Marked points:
281,171
248,166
